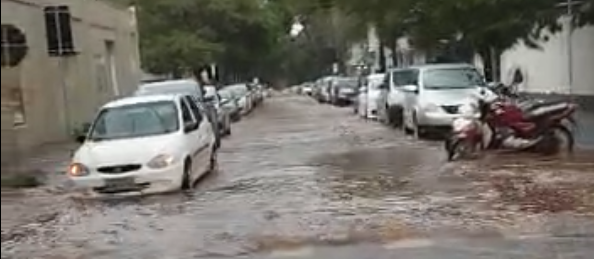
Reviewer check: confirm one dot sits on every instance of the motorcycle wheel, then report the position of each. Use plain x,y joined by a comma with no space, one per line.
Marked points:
559,140
564,139
458,149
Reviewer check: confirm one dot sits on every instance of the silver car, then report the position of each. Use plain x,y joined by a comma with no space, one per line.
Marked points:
433,100
212,97
183,86
230,104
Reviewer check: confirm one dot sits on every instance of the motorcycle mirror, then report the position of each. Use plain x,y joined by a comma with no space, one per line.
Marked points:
482,92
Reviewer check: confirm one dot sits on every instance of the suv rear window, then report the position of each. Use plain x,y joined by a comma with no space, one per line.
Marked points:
405,77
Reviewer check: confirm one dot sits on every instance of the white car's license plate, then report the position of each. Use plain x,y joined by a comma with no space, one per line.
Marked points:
120,183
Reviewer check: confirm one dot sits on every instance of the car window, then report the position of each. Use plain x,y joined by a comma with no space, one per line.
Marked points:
135,120
452,78
375,82
196,111
405,77
186,113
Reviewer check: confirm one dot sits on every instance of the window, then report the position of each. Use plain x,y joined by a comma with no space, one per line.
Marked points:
452,78
136,120
194,108
405,77
186,113
14,45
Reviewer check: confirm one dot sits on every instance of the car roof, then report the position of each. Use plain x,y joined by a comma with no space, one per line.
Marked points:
170,82
443,66
143,99
170,87
435,66
378,75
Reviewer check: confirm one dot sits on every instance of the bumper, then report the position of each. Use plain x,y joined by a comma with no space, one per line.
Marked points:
144,181
372,111
437,119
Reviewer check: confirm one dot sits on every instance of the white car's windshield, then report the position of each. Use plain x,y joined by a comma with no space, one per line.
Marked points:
452,78
135,120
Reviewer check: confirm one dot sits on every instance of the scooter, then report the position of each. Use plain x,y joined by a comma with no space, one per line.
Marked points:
506,124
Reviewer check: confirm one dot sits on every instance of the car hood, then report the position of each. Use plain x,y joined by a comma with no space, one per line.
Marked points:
125,151
448,96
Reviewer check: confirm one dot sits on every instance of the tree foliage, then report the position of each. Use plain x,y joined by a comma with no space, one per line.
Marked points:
483,23
184,35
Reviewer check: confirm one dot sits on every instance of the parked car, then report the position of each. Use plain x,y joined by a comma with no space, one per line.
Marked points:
433,102
244,97
391,99
307,89
183,86
367,102
230,104
324,86
212,98
257,94
343,90
145,144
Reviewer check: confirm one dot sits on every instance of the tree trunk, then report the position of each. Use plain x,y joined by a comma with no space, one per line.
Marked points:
392,45
491,62
382,57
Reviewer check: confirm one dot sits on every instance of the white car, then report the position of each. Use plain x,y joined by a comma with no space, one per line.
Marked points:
212,97
243,95
391,103
187,87
143,145
369,95
434,101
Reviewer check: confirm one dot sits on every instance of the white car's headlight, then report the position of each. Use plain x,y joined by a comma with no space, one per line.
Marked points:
161,161
431,107
77,170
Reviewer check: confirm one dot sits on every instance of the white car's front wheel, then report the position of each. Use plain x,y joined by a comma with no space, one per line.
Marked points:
186,175
214,160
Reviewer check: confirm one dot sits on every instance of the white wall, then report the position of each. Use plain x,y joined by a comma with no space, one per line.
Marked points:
546,70
59,95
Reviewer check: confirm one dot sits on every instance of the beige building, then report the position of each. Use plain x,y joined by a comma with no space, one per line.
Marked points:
45,98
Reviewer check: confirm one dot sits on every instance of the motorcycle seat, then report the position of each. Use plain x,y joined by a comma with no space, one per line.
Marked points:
545,108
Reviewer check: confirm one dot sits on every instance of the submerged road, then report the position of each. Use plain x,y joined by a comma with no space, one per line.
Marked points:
300,179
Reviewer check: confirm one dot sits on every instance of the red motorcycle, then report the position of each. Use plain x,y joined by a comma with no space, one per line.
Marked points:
506,124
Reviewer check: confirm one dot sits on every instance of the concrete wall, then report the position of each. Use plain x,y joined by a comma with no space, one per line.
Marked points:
60,94
546,69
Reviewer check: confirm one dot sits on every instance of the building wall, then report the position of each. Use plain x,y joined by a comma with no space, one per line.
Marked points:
546,69
59,94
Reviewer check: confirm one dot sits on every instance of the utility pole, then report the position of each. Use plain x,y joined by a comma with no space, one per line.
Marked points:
568,4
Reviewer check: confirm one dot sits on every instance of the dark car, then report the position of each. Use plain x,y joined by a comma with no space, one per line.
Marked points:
343,90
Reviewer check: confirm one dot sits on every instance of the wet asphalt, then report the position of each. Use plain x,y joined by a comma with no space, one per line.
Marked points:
300,179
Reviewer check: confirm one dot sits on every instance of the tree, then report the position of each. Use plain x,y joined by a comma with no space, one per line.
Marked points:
177,36
486,26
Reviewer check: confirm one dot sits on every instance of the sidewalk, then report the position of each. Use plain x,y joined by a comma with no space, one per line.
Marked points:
47,163
585,131
24,209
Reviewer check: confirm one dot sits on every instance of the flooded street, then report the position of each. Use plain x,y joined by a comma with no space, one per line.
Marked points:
303,180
